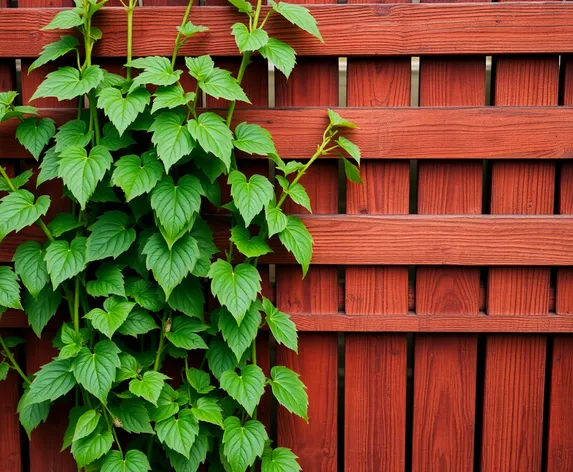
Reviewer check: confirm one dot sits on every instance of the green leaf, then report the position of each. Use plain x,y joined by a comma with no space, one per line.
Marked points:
240,338
146,294
352,172
73,133
221,84
176,205
297,240
149,387
189,29
67,83
64,260
199,380
31,416
220,358
298,195
128,368
86,425
96,371
9,289
108,320
53,381
208,410
109,281
65,20
122,111
42,308
171,96
49,167
289,390
73,343
352,149
246,388
298,16
183,335
276,219
179,433
113,141
197,455
171,138
34,134
74,415
282,56
4,369
91,448
30,266
242,5
212,133
18,210
138,322
249,40
137,176
188,298
253,139
204,236
250,196
235,288
338,122
62,223
156,71
82,172
109,236
135,461
250,247
133,416
200,67
280,459
170,266
280,324
53,51
17,182
243,444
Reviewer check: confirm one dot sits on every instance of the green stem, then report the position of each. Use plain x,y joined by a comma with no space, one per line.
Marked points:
76,313
111,426
129,11
178,42
268,15
243,67
6,352
161,340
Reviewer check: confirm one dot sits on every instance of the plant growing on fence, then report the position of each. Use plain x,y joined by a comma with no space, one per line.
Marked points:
130,259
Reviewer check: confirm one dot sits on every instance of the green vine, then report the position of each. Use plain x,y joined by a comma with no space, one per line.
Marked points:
132,259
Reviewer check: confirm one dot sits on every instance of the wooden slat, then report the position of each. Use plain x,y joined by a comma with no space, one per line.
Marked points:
312,82
348,30
560,434
515,366
375,392
445,365
401,133
416,240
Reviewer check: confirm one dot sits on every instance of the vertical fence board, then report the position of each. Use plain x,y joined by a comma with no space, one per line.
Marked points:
560,440
515,365
375,373
314,81
445,365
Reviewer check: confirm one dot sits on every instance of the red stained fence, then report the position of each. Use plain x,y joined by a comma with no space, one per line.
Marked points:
435,322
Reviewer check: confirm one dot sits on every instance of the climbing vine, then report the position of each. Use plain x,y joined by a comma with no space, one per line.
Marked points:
130,262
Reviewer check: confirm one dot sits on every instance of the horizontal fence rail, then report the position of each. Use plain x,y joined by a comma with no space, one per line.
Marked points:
348,30
399,133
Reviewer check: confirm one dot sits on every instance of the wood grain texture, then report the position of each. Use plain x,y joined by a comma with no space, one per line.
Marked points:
10,447
375,380
415,239
400,133
445,366
560,433
348,30
312,83
515,367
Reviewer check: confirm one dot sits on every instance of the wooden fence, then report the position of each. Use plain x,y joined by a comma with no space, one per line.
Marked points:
436,320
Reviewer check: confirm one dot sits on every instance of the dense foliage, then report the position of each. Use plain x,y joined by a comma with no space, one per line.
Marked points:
132,258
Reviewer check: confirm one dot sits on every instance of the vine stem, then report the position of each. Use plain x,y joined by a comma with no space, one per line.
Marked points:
178,42
129,9
6,352
112,426
161,340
